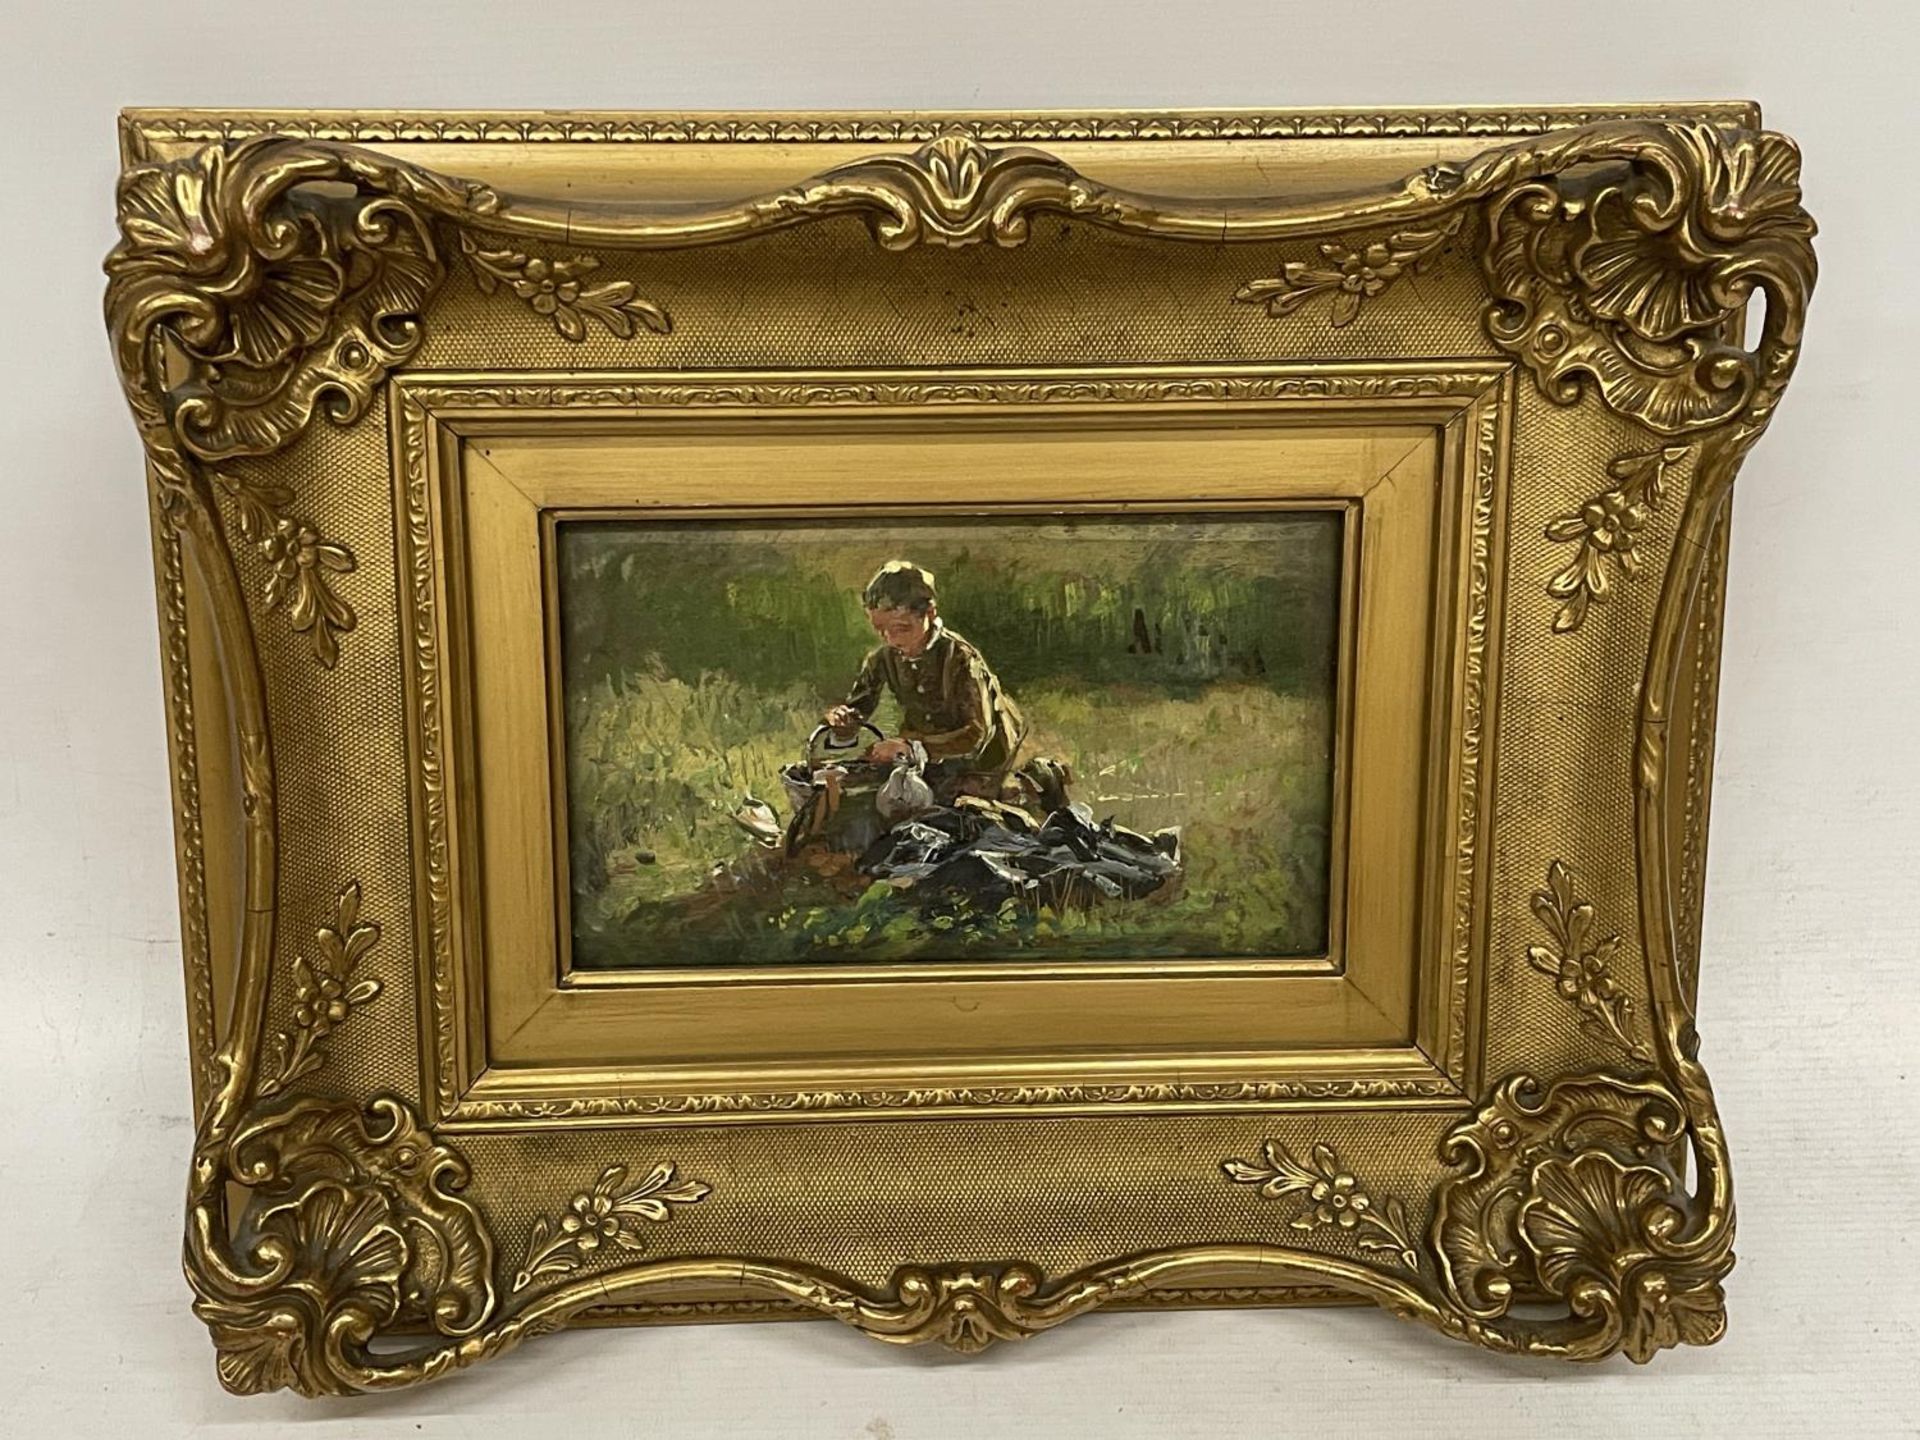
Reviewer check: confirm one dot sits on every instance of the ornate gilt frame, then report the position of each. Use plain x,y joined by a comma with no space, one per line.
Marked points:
312,323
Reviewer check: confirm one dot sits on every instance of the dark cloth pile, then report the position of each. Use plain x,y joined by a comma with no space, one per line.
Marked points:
988,854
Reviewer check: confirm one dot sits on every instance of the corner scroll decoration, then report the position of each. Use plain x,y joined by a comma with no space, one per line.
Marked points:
273,299
1575,1194
241,301
259,284
1632,276
354,1226
1619,256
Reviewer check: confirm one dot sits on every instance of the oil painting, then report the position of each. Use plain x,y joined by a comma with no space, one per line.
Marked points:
849,740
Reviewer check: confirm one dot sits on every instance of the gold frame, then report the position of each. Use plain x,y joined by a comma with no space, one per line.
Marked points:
1524,1152
548,1046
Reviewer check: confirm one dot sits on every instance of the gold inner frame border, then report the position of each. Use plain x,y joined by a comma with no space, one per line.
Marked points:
1327,959
1465,405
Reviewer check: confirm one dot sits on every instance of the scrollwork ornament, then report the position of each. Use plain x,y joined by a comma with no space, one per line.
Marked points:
1632,277
275,298
1620,257
951,192
965,1307
355,1225
1574,1194
242,300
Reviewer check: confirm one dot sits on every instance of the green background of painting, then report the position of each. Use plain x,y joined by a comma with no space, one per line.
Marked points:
1183,666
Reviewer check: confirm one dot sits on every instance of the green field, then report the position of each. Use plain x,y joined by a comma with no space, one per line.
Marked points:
1184,674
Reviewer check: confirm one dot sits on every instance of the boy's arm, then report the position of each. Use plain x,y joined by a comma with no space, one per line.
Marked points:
969,696
864,697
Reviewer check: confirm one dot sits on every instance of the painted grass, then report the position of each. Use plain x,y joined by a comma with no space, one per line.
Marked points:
658,763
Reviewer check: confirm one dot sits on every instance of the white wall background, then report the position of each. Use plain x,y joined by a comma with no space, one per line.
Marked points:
1812,970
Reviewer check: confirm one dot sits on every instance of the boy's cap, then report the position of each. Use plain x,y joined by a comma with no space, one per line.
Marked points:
899,585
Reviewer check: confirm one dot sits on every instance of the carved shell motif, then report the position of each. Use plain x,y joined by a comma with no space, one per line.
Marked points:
1633,277
354,1226
277,299
1576,1195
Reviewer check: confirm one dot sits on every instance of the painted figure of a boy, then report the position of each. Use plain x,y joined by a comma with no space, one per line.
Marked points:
951,702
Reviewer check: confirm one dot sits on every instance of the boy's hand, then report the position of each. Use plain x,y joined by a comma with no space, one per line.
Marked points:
882,752
843,717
